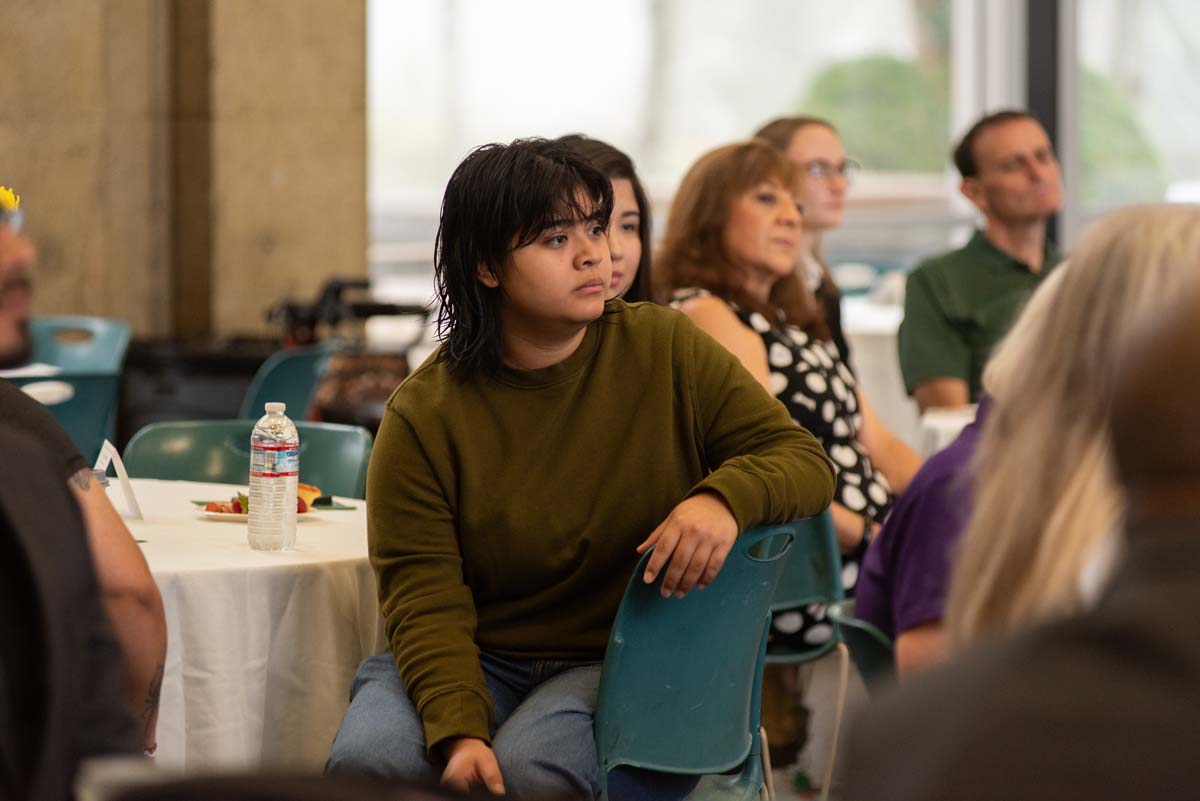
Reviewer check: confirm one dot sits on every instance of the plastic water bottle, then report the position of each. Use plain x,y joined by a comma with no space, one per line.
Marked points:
274,473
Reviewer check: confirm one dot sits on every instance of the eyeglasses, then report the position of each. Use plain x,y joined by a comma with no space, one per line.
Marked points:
820,168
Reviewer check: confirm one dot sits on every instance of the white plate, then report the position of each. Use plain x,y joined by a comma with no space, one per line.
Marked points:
230,517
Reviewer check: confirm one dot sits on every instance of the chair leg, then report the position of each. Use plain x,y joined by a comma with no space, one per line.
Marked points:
843,681
768,779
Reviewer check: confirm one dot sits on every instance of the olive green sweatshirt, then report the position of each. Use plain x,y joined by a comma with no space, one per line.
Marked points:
504,512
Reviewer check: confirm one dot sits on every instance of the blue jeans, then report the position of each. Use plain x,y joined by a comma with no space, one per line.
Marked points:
542,732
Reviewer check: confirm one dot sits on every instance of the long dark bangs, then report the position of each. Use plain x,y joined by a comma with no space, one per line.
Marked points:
500,199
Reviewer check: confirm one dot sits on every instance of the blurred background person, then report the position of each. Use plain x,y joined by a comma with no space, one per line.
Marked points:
130,595
958,305
733,236
1101,703
1046,501
61,672
813,145
630,229
906,572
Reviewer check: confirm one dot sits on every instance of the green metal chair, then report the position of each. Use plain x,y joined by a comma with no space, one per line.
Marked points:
869,647
84,404
333,457
682,678
85,345
813,575
291,376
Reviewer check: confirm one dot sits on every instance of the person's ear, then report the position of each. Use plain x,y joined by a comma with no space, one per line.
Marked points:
973,191
486,276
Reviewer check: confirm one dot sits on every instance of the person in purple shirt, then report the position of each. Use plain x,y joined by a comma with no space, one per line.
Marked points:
906,571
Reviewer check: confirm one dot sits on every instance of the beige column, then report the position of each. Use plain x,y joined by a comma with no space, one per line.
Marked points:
83,139
184,165
270,155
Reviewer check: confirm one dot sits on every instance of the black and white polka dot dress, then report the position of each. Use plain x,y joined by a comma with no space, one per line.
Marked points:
818,389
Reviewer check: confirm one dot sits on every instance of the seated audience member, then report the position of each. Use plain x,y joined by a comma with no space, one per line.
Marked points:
813,145
61,681
1046,505
506,507
629,242
958,306
732,237
906,572
1102,703
732,241
126,586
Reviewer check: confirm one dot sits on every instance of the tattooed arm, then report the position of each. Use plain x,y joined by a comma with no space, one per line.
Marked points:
131,599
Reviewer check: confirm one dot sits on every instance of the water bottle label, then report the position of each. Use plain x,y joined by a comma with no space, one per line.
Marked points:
274,461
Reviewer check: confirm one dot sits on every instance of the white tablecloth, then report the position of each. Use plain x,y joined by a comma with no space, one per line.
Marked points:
871,333
940,427
261,646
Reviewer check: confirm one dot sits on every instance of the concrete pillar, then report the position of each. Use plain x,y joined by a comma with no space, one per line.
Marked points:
83,139
281,112
185,165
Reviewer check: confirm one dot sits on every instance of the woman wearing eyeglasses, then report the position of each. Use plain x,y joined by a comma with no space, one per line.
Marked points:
813,145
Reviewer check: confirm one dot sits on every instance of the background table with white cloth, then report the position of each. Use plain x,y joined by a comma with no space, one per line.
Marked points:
262,646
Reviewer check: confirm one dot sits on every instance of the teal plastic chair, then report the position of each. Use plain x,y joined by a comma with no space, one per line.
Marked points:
813,575
870,648
85,405
291,376
85,345
334,457
682,678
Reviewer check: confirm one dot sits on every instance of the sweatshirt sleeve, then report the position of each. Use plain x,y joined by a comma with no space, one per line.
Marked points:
428,611
764,466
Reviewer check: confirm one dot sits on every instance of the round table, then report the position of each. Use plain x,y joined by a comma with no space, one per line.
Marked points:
262,646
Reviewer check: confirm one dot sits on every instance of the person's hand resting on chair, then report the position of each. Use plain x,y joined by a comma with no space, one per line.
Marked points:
696,537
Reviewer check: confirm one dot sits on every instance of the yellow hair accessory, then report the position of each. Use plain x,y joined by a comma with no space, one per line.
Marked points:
9,200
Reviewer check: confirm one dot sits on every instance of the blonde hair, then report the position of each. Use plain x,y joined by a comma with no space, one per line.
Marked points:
1045,493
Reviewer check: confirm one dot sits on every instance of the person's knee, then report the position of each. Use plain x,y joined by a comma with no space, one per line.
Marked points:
381,733
548,773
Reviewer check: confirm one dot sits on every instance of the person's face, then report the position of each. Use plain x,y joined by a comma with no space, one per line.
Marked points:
16,264
763,230
624,238
1018,179
818,149
558,282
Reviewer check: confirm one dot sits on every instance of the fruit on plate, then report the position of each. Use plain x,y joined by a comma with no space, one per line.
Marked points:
240,504
307,493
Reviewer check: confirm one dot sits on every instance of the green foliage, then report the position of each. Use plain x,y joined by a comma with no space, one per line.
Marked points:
892,114
1119,163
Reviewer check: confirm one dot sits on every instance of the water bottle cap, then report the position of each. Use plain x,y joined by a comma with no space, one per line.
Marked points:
276,406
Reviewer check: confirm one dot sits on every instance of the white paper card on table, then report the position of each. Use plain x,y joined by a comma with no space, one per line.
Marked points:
108,453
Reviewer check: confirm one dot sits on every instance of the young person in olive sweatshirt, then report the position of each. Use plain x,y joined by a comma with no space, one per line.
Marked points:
520,471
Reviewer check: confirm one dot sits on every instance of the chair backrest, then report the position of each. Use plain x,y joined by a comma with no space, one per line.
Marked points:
291,376
813,575
84,404
681,682
869,647
333,457
80,344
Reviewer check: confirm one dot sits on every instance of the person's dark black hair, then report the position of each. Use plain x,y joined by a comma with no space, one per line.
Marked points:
616,165
499,199
964,151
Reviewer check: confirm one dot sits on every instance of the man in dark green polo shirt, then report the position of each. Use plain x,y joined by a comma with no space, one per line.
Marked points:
959,305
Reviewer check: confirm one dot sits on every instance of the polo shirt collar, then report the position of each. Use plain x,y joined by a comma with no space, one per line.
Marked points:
983,249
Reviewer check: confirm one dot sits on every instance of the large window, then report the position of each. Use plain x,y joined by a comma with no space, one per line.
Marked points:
665,80
1138,103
